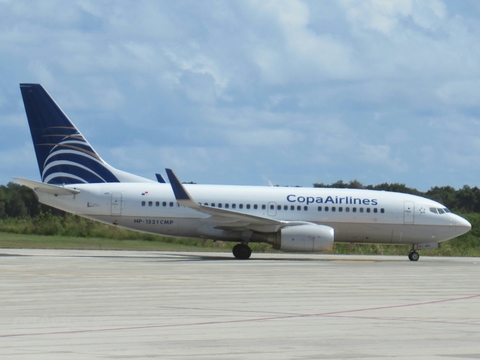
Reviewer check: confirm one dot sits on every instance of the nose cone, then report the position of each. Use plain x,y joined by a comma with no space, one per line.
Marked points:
461,225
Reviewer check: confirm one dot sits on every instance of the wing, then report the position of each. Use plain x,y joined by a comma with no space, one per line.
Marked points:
227,219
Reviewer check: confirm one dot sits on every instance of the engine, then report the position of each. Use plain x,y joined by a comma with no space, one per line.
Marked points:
304,238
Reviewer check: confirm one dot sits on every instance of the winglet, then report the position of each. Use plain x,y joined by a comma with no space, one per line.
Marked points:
160,178
181,194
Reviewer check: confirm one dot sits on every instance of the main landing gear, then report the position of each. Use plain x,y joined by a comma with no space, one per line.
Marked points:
241,251
413,256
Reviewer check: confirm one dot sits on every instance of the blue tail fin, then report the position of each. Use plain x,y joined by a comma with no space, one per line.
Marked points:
64,156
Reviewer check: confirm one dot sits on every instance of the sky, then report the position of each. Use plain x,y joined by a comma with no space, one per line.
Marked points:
253,92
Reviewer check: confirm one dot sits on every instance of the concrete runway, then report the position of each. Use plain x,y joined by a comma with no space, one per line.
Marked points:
62,304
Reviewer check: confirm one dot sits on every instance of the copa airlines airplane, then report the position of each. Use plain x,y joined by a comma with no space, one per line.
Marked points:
76,179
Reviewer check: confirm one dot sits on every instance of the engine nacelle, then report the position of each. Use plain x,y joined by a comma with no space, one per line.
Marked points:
305,238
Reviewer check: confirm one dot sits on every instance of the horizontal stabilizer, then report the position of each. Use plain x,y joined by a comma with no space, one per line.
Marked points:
47,188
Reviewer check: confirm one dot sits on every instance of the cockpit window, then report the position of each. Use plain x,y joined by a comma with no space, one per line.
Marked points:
439,210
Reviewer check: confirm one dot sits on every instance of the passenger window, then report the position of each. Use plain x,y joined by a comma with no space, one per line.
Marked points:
299,208
206,204
272,207
255,206
171,203
292,207
240,206
375,210
354,209
143,203
285,207
347,209
279,207
150,203
264,207
340,209
227,206
212,204
326,208
248,206
234,206
305,208
334,208
382,211
164,203
361,210
319,208
220,205
368,210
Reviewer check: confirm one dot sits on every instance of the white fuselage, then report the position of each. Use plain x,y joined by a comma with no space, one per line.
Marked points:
357,216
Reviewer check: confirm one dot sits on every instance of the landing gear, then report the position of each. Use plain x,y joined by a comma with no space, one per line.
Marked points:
242,251
413,256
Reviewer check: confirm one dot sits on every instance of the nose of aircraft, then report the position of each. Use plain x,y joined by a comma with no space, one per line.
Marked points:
462,225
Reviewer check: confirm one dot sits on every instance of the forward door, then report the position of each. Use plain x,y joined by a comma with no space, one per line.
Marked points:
409,213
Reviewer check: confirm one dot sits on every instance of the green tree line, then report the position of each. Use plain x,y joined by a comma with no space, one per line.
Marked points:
18,201
464,200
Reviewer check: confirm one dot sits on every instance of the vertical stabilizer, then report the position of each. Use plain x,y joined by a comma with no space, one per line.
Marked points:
64,156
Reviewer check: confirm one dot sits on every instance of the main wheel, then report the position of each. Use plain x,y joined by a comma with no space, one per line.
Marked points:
241,251
413,256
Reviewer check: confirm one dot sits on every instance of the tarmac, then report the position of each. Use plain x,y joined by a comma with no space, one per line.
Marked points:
72,304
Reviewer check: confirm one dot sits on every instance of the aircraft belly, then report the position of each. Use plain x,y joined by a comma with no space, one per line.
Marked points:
385,233
362,233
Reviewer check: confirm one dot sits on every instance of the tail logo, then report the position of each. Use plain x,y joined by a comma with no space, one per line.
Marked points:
72,160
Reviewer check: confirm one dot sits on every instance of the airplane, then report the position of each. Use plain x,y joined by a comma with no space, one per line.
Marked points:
74,178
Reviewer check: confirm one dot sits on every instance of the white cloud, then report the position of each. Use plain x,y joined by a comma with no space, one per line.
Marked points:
381,155
460,92
234,90
382,16
259,137
386,16
302,54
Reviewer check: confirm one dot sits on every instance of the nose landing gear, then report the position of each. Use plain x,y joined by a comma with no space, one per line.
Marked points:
413,256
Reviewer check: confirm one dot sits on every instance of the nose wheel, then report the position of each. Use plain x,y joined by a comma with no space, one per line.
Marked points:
241,251
413,256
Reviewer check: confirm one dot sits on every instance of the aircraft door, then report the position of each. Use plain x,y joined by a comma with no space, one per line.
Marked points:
409,214
116,203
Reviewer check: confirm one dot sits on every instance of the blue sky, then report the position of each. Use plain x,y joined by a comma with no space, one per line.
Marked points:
247,92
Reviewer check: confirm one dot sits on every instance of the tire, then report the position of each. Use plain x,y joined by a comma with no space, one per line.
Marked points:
414,256
241,251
